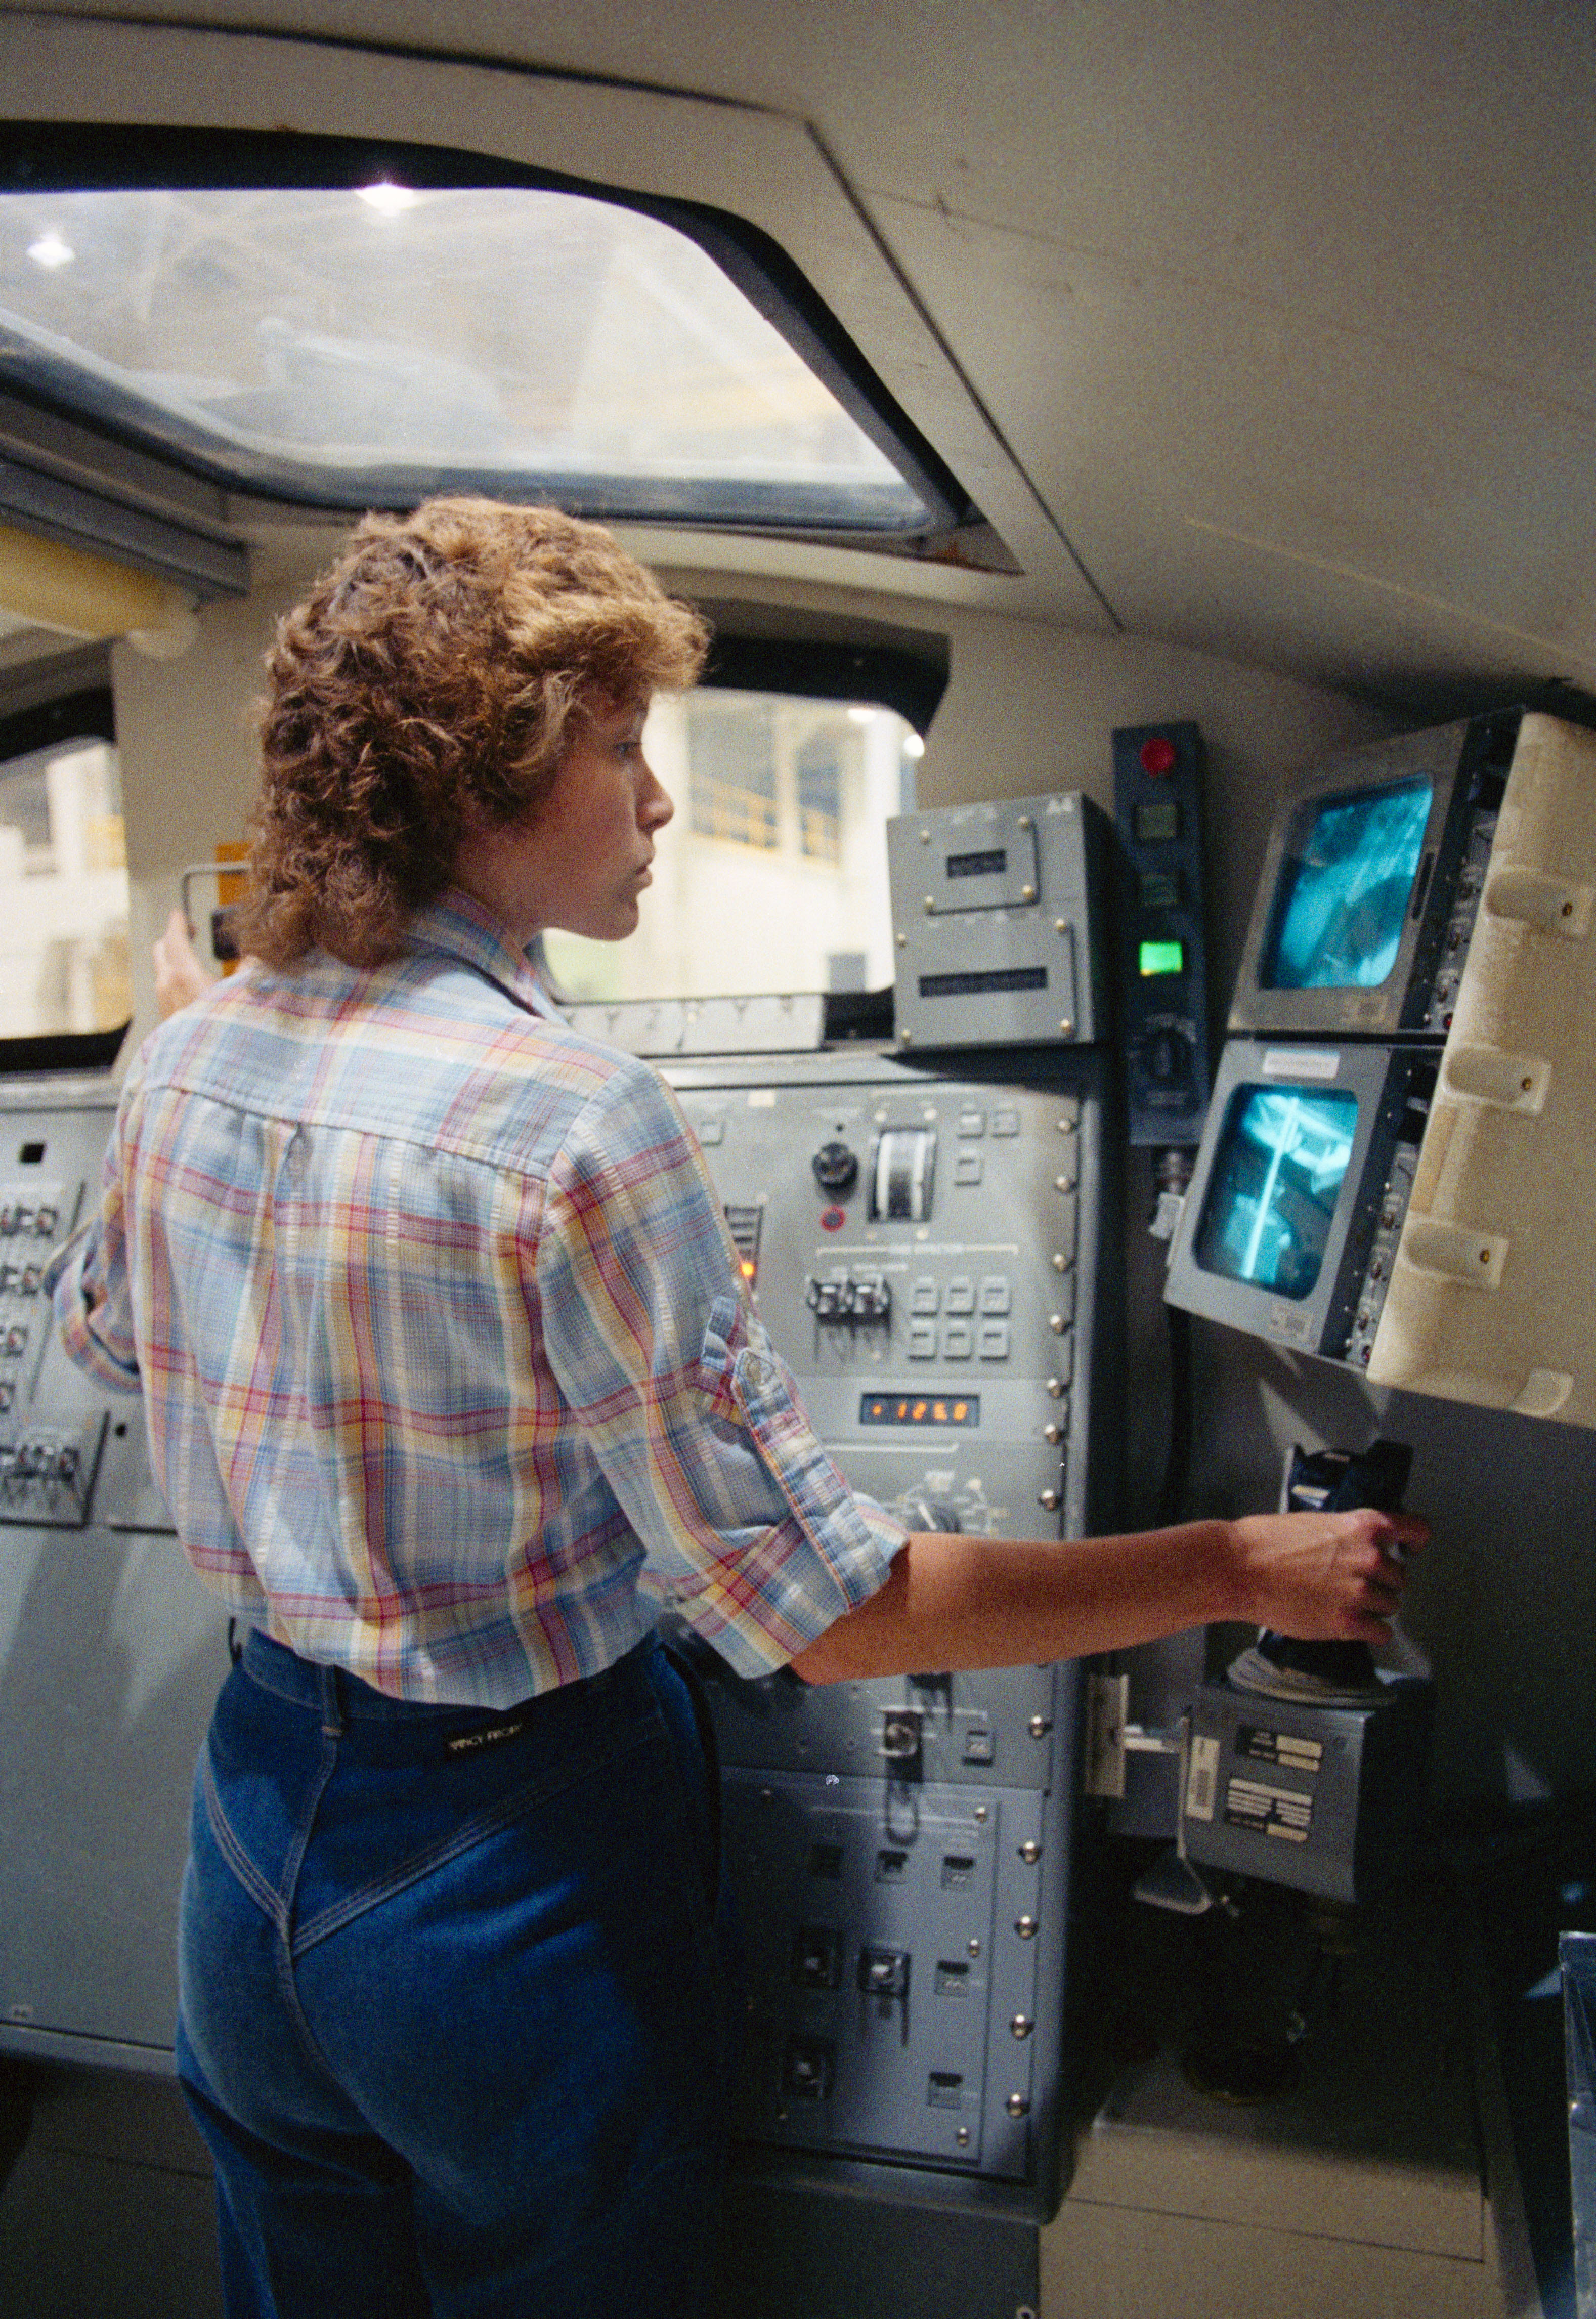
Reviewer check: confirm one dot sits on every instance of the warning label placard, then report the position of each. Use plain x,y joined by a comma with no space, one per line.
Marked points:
1286,1748
1268,1811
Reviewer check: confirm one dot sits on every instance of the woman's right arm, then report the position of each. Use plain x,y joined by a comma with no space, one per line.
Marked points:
956,1601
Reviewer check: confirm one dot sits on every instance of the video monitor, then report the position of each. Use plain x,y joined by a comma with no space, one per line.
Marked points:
1300,1190
1344,889
1280,1166
1371,884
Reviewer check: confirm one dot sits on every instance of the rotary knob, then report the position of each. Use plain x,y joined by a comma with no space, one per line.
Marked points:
837,1168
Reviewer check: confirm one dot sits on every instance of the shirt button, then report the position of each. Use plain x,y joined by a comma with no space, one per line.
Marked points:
755,1370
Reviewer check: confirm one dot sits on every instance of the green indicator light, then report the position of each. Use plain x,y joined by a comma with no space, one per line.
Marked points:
1161,958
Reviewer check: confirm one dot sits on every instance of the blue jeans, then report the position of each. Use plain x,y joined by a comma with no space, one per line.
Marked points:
454,2017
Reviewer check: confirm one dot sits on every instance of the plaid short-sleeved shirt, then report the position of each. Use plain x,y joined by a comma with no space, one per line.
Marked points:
451,1376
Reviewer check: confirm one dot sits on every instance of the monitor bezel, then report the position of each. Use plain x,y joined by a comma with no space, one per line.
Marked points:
1320,1322
1439,756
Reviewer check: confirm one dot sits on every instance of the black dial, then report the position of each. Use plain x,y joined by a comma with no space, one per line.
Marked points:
837,1168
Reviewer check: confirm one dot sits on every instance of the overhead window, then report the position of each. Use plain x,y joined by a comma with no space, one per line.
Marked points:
388,324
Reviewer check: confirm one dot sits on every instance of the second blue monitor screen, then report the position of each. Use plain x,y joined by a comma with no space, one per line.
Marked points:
1278,1172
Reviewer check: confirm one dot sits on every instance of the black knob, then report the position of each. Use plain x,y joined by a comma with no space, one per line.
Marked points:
1166,1056
837,1168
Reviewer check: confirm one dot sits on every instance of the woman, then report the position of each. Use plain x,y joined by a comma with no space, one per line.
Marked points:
452,1384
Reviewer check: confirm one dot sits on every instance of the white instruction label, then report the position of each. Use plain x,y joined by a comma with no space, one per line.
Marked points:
1202,1778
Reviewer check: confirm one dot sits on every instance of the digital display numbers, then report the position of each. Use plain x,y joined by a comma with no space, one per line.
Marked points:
924,1411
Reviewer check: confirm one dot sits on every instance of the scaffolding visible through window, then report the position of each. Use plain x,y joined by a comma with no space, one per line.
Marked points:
63,892
774,875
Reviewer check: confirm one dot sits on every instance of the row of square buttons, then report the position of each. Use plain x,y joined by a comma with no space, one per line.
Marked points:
996,1296
959,1341
17,1216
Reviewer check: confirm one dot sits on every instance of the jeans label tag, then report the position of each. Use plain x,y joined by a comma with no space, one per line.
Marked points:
489,1736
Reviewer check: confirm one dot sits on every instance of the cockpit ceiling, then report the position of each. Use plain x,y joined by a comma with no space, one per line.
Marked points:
1265,331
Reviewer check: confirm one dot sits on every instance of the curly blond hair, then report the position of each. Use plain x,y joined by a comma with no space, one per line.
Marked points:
443,666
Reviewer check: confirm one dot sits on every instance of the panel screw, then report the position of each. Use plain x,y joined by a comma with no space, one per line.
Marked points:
1053,1433
1057,1324
1066,1028
1020,2027
1025,822
962,2137
1055,1387
975,1948
1039,1727
1018,2107
1060,925
1026,1927
925,837
930,904
980,1812
1027,893
1062,1184
1060,1261
903,941
1050,1499
1067,1127
1031,1852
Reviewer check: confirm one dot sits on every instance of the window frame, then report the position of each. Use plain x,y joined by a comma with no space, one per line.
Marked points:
65,157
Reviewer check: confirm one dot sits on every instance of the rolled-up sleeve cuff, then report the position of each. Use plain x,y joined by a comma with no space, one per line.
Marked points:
113,1362
790,1582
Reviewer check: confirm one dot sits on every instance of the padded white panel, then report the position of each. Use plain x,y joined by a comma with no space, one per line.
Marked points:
1494,1290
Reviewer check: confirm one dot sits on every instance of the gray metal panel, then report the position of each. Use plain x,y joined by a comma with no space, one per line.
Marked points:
997,923
842,2082
111,1655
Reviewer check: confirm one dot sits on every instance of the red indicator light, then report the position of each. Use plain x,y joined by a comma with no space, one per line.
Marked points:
1158,755
833,1219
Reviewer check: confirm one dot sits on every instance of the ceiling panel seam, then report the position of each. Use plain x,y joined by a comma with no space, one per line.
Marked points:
989,417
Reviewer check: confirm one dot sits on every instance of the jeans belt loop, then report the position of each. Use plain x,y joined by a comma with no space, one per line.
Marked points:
332,1718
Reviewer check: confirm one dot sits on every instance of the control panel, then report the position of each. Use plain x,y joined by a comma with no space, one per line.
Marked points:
931,1256
111,1653
1163,976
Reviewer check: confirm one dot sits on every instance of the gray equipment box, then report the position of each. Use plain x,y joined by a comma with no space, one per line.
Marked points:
997,917
1327,1799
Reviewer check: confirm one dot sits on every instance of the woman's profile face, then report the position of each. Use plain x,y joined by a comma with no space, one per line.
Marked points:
581,863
